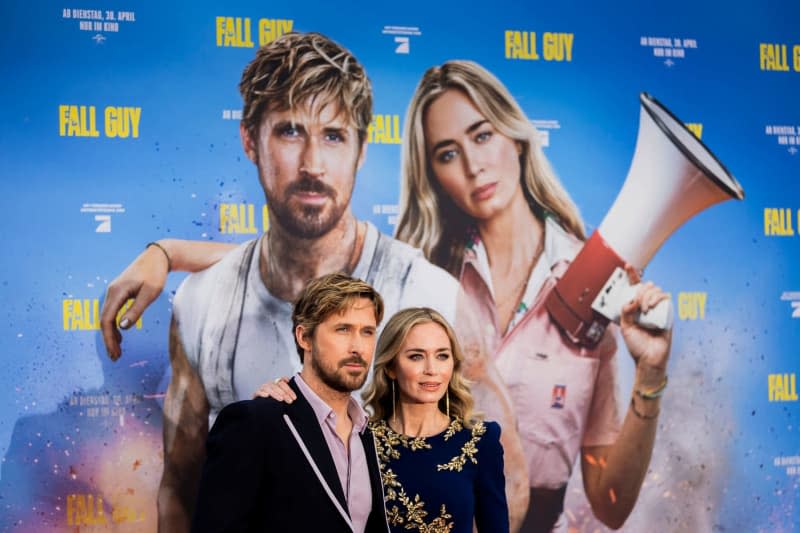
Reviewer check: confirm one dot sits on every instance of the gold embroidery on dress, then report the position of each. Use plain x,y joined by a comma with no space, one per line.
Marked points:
455,427
394,516
468,451
387,443
415,516
390,483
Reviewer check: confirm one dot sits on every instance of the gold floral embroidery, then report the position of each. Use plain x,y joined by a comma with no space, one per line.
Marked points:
387,444
394,516
455,427
468,451
439,524
415,511
390,479
390,483
415,516
415,444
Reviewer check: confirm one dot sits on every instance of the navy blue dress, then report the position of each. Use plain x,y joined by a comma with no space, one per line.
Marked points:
440,483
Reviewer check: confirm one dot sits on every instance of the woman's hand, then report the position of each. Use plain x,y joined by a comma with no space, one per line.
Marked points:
278,390
649,347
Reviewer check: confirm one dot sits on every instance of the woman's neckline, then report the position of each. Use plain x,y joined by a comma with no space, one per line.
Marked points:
454,425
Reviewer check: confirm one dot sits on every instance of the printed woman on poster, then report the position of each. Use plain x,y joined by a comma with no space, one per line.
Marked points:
481,200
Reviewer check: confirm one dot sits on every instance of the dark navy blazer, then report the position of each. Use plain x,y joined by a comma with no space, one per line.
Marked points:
268,468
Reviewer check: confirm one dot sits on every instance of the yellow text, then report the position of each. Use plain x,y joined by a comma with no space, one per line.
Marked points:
85,510
88,510
240,219
84,314
271,29
696,128
796,57
782,387
523,45
557,46
236,32
77,121
384,129
778,222
123,122
692,305
773,57
81,121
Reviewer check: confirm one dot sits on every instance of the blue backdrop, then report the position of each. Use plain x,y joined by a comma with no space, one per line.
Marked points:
120,126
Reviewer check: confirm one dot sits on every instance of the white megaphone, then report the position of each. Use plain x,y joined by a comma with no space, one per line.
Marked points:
673,176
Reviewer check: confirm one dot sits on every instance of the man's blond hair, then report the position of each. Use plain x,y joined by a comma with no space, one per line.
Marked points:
329,294
305,68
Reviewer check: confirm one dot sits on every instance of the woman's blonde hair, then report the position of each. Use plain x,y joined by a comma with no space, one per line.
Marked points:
378,394
429,219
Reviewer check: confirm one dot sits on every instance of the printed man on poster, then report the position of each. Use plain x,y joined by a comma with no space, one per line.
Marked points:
307,107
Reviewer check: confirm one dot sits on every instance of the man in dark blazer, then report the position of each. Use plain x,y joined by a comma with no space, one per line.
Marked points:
310,465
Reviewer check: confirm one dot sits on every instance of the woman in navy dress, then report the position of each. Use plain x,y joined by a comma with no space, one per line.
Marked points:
442,467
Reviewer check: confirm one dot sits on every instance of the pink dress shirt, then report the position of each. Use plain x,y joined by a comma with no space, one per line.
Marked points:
351,467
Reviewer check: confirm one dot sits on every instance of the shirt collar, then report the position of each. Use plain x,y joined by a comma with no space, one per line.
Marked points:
324,412
559,245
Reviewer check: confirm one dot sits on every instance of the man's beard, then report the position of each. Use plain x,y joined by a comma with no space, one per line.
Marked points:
334,378
307,222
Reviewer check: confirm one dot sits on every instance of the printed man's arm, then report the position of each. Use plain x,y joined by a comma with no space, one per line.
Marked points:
185,431
144,279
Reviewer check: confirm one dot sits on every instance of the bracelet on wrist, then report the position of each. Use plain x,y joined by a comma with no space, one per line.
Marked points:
653,393
642,415
169,261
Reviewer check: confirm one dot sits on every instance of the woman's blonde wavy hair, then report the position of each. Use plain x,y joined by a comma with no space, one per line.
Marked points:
429,219
378,394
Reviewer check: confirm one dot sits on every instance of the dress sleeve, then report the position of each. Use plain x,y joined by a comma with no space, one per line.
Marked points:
232,471
491,508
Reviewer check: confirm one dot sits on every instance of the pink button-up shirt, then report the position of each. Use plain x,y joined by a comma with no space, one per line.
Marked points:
564,396
351,465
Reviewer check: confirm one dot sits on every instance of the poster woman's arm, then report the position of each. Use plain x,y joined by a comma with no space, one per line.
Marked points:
613,474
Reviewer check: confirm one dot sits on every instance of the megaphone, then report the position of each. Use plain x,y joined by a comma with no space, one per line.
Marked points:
673,176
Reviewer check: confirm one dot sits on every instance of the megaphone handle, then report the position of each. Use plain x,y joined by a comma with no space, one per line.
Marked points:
658,317
618,291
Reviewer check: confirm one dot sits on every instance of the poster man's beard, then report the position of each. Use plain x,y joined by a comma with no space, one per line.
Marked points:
307,222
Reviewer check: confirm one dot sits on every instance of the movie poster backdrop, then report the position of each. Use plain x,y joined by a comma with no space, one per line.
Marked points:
121,126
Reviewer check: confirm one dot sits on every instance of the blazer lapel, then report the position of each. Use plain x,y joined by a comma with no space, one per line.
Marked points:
375,480
307,425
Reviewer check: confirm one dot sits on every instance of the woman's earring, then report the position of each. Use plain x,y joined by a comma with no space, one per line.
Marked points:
447,401
394,409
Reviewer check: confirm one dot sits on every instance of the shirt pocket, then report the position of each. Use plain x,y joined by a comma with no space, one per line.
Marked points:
551,389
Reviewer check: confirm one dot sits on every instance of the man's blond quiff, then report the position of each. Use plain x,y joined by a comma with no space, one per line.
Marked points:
305,68
329,294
